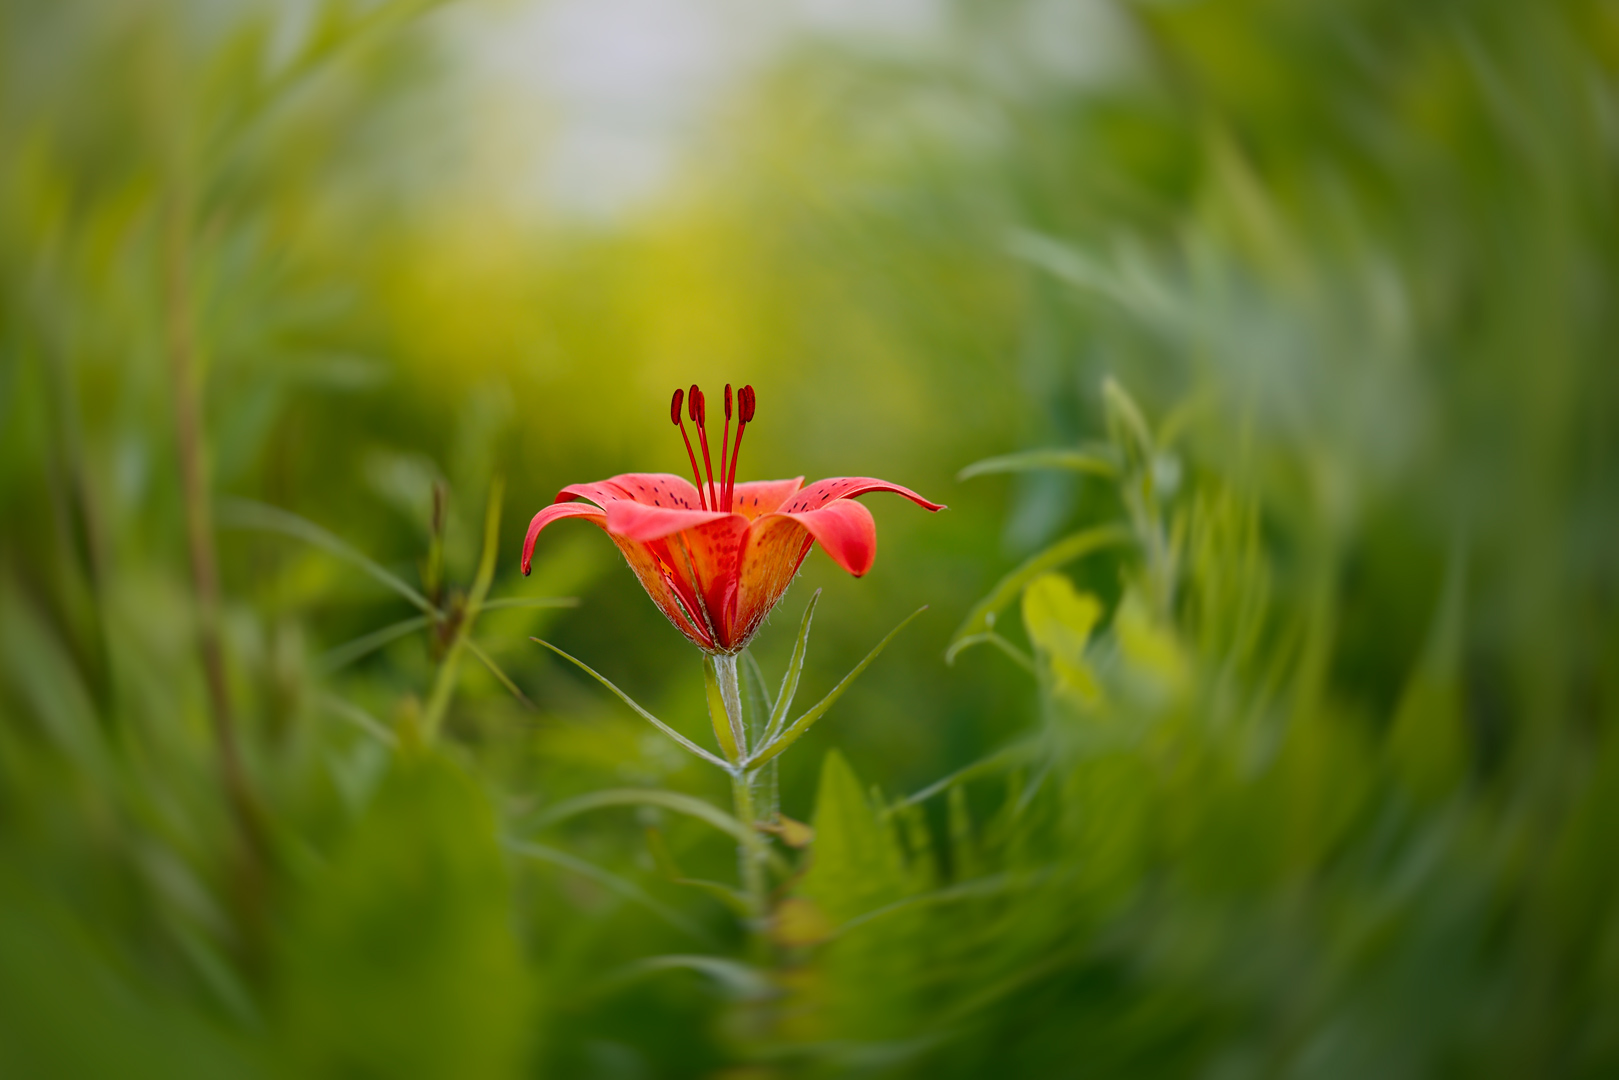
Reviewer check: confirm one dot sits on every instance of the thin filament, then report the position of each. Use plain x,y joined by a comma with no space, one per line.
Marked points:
696,475
741,426
700,419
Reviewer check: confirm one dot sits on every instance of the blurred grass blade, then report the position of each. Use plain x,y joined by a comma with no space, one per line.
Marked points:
674,801
531,602
626,699
1021,658
247,514
803,723
1004,758
494,669
993,885
1126,422
360,719
980,620
345,654
444,686
795,668
1097,460
742,980
623,886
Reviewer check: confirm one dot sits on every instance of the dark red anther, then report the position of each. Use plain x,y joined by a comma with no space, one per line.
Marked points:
674,415
697,408
727,401
745,402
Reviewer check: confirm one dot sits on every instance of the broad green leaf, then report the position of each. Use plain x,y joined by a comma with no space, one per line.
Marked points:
1149,647
981,619
1427,740
383,942
1059,620
1099,460
856,864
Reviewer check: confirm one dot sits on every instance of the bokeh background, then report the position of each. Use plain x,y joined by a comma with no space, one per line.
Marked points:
1315,775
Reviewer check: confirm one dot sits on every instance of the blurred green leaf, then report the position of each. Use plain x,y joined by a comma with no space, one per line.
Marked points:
398,957
981,619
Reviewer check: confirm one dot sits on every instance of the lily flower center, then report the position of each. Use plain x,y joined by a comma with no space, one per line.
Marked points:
720,495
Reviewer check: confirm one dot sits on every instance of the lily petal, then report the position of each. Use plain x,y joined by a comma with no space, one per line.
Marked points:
846,530
822,492
758,497
649,489
665,577
638,521
552,513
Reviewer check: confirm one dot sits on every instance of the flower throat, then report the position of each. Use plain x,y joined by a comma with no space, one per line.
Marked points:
714,496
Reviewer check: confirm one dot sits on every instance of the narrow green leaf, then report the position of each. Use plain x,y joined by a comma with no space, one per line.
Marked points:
247,514
532,602
494,669
626,888
1022,659
1006,757
444,685
1098,460
1125,421
803,723
993,885
674,801
981,619
626,699
740,979
345,654
360,719
795,668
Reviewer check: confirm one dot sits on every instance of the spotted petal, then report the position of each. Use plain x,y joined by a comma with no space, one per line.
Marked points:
825,491
556,512
845,529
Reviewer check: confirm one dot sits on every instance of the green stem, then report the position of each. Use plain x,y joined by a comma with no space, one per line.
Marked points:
750,852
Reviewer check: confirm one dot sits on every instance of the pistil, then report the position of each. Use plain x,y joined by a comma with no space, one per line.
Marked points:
725,441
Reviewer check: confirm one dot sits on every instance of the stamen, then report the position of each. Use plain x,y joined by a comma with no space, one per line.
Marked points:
745,403
675,418
697,409
725,441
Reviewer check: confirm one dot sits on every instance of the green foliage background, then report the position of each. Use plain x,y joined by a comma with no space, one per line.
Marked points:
1278,735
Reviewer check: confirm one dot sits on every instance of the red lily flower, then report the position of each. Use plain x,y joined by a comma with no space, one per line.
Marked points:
716,573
